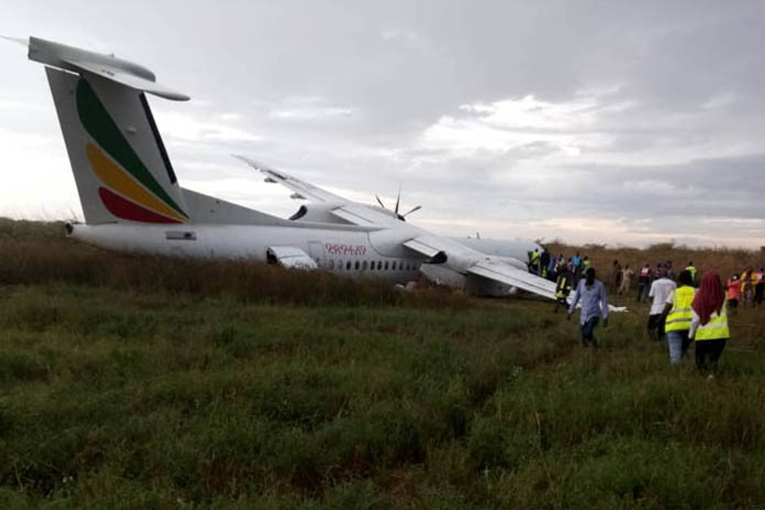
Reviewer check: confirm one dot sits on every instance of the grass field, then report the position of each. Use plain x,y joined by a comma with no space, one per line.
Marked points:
149,383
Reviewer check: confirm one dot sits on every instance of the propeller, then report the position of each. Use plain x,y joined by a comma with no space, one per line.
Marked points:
398,204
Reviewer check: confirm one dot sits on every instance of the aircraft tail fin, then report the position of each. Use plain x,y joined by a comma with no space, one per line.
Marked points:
120,164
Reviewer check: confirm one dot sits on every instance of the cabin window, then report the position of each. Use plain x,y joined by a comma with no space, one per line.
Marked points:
348,265
364,266
340,265
386,265
379,265
331,264
393,265
356,265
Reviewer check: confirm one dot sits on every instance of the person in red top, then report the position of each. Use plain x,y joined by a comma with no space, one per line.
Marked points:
734,291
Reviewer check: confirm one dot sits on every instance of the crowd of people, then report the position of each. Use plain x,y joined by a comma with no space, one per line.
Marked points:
683,309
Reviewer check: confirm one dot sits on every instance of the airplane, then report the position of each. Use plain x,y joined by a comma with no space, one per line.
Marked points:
132,200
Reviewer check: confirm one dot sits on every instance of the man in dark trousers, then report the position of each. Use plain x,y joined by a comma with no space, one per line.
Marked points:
644,282
592,294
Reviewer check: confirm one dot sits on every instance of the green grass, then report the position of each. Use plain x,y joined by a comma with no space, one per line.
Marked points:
122,391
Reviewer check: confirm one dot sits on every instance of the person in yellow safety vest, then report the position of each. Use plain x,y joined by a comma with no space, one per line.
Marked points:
563,287
759,285
678,313
746,287
692,269
709,324
534,261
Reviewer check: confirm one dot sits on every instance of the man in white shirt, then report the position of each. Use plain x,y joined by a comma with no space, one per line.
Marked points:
659,293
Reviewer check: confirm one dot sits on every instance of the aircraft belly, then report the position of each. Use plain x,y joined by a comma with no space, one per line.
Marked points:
242,242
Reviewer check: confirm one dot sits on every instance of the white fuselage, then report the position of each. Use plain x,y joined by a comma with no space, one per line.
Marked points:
353,251
342,249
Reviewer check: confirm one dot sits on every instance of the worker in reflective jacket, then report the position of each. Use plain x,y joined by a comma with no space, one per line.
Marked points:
563,287
678,313
709,323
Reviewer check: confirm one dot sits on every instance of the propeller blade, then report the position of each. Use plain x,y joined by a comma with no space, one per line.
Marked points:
398,198
380,202
413,209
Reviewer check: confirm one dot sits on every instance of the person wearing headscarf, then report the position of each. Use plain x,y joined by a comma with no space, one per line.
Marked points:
709,324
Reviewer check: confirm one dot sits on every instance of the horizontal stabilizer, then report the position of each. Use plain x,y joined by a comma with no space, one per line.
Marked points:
109,67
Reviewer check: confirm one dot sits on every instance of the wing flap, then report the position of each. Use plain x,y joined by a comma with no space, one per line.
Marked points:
507,274
304,190
363,216
291,257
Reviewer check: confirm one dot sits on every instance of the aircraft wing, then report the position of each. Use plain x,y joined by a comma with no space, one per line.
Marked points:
302,189
505,273
477,264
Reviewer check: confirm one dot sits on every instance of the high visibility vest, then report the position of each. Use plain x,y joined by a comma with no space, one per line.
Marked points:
692,270
679,318
587,264
744,281
534,257
716,328
563,288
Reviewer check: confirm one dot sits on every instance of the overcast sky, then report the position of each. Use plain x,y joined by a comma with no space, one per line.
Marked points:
592,121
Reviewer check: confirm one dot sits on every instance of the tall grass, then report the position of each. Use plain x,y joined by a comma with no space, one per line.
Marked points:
126,393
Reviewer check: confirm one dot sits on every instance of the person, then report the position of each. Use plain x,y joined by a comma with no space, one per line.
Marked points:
709,324
544,262
746,287
562,287
670,270
616,275
586,264
592,294
577,271
661,289
734,291
690,267
644,280
534,261
626,280
552,269
759,285
678,315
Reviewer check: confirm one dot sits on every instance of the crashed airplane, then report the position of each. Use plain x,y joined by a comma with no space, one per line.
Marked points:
132,200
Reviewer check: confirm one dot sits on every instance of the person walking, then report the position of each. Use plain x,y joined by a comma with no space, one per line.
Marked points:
660,292
644,281
746,287
690,267
626,280
759,285
709,323
562,287
544,262
615,278
534,261
592,294
678,315
734,291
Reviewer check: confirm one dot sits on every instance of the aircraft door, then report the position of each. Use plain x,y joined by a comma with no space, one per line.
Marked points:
316,252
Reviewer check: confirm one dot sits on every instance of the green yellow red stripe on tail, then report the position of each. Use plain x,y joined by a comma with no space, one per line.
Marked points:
139,196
